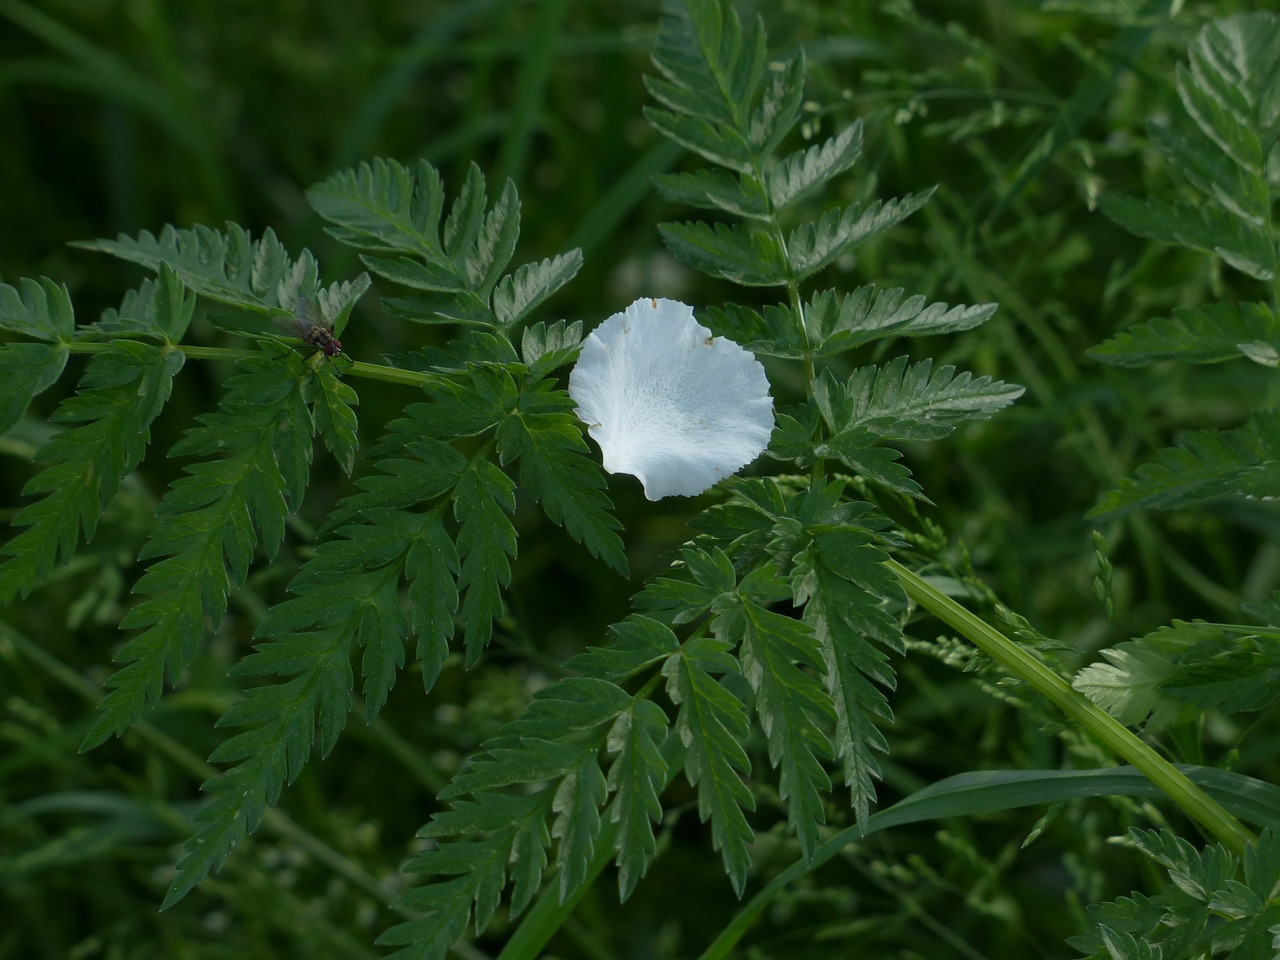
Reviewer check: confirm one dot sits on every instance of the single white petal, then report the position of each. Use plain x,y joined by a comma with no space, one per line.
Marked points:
669,403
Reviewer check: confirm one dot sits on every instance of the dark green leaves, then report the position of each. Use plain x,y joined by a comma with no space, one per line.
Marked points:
712,723
556,470
123,390
834,322
1207,334
393,213
40,310
1214,904
210,523
1223,147
1207,463
235,269
1203,665
782,662
721,101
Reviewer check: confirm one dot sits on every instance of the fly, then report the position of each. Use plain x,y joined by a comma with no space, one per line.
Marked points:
312,328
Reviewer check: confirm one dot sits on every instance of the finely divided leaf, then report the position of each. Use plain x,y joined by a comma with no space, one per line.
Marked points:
915,402
1239,243
122,391
780,657
709,69
838,323
1207,463
1128,684
522,292
1223,148
842,583
779,109
745,256
486,542
512,840
384,206
800,173
38,309
26,371
719,144
546,348
636,778
715,190
712,724
813,246
282,720
210,523
431,568
636,644
233,268
332,400
1206,334
557,470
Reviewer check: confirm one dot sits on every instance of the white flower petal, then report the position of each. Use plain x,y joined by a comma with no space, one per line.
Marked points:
669,403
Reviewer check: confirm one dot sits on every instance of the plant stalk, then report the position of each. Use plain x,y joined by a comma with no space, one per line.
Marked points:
1122,741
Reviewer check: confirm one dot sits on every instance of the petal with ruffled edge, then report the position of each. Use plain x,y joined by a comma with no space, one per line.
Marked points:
668,402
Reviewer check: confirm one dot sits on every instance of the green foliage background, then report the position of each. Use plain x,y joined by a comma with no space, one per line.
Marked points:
124,116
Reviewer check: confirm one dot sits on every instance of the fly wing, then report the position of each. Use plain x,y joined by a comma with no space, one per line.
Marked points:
307,312
306,319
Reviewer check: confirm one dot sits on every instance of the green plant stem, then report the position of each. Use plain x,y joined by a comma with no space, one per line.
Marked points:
356,368
1118,738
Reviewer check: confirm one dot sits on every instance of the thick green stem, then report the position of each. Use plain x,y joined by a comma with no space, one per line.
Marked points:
1114,735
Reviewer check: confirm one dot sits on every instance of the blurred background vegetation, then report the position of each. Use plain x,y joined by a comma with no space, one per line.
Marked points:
123,115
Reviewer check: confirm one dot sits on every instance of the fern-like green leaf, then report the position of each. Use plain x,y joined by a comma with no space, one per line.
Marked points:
1205,665
1223,147
284,721
834,323
780,103
839,578
484,498
838,323
748,257
798,175
513,837
26,371
1214,905
1128,684
636,778
122,391
384,206
777,654
431,567
545,349
38,309
556,470
157,308
721,145
708,66
636,644
1239,243
712,724
524,291
233,268
716,190
346,599
331,401
899,401
813,246
1205,464
1207,334
210,522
